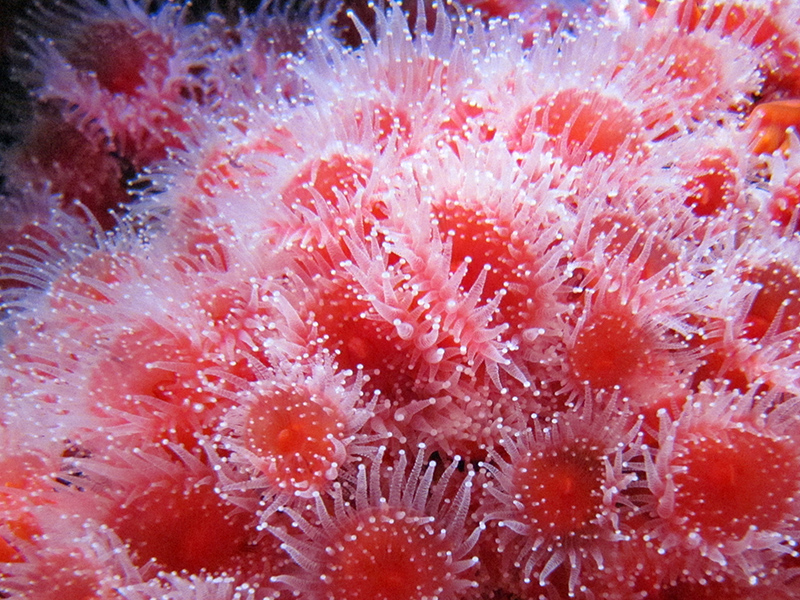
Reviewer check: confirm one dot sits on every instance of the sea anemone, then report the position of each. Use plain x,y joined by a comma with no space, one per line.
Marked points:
406,540
479,301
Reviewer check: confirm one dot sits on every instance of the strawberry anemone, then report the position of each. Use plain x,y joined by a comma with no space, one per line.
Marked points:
719,480
401,534
134,89
295,428
555,494
167,508
80,168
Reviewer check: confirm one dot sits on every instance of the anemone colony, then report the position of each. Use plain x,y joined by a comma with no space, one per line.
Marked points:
456,304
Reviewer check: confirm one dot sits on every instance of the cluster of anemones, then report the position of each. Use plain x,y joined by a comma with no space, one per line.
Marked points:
479,306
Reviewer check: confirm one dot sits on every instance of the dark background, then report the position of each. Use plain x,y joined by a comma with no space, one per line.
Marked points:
13,96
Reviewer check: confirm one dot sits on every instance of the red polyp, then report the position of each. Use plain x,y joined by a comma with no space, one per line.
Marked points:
468,118
480,240
693,70
135,351
712,183
785,200
353,332
151,366
79,167
711,370
291,438
24,484
404,543
579,123
557,500
188,528
128,58
90,281
611,349
205,247
22,243
630,571
691,64
625,236
560,490
326,177
505,253
219,173
323,199
388,554
68,571
732,482
225,307
779,294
